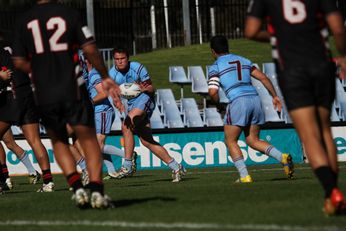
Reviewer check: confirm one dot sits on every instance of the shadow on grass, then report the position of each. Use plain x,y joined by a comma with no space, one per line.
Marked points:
130,202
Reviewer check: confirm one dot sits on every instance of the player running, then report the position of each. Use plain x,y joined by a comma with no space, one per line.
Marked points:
47,36
298,34
244,112
139,111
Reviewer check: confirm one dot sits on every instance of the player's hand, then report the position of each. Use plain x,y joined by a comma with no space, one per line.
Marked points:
342,67
5,74
277,103
111,87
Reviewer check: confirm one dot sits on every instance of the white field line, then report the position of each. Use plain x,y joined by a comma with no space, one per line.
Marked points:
161,225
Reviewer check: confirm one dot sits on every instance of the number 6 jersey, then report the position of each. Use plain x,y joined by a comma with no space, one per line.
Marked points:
49,35
296,26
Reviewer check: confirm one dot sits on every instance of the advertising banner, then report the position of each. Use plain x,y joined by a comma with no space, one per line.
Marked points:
193,150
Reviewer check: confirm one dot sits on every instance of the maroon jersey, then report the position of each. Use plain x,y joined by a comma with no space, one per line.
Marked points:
298,29
49,34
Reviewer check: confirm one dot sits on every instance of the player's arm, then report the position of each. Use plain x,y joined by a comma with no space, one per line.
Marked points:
147,87
93,55
259,75
22,64
253,30
335,23
101,94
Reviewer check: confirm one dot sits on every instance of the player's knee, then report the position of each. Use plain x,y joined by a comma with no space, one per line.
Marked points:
251,141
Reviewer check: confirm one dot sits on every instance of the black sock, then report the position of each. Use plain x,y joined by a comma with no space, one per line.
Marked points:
327,179
74,181
2,178
4,170
47,176
96,186
335,175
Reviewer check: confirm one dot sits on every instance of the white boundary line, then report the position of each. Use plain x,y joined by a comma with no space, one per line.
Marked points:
161,225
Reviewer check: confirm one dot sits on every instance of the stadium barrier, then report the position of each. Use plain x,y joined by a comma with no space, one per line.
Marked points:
195,148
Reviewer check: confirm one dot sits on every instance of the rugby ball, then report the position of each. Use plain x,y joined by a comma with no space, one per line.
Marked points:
129,90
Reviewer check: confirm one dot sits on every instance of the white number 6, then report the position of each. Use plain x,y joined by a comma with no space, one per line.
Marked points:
294,11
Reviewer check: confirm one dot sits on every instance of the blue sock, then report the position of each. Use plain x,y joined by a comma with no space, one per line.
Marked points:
111,150
81,163
173,165
241,167
273,152
128,164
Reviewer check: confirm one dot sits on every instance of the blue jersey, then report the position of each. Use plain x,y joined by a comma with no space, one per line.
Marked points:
233,74
94,78
136,73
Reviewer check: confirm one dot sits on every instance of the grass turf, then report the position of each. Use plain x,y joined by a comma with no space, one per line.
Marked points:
206,196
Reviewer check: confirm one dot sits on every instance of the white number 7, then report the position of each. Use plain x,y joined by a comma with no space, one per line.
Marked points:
294,11
56,23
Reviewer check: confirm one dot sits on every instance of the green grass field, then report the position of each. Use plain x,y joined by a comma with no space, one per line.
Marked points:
206,200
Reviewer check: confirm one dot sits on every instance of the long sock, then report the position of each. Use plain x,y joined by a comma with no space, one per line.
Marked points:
273,152
239,163
174,165
74,181
2,178
81,163
327,179
27,163
127,164
47,176
96,186
111,150
107,159
4,170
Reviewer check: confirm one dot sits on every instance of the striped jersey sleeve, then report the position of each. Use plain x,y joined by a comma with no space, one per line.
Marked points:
213,77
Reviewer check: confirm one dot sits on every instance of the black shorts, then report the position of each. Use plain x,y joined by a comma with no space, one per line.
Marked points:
308,86
18,111
56,116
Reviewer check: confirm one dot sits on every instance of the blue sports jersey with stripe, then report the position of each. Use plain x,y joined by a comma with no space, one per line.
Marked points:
94,78
136,73
233,74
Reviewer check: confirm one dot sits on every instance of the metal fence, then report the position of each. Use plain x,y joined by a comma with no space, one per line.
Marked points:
141,25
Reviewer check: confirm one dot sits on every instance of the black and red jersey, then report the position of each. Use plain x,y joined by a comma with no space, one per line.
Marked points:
20,81
48,35
298,29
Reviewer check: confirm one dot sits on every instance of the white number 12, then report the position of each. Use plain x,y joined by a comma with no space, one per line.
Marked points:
56,23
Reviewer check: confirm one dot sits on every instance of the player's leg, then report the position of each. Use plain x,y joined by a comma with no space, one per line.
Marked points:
252,139
22,155
32,135
140,125
232,134
87,138
306,121
8,184
78,155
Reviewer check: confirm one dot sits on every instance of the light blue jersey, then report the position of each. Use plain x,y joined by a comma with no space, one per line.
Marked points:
136,73
94,78
233,74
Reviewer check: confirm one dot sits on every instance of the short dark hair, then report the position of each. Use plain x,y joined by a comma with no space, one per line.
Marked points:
120,49
219,44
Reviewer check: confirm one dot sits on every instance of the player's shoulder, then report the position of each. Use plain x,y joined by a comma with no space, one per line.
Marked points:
135,65
94,73
241,58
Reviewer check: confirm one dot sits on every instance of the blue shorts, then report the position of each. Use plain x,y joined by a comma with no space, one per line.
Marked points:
104,121
144,103
245,111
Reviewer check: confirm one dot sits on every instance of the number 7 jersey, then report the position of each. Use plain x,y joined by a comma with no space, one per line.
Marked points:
49,35
299,34
233,74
